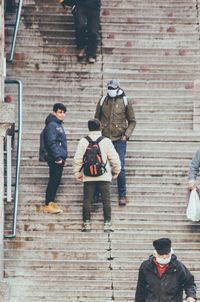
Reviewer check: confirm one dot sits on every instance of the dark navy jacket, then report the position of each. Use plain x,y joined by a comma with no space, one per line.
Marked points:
55,139
169,288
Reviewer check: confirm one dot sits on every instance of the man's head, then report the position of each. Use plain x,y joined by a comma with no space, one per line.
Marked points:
113,84
163,250
113,88
94,125
59,111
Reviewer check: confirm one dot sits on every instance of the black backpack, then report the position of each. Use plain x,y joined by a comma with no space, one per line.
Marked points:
93,164
43,154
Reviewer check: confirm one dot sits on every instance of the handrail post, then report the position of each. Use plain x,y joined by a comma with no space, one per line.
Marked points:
8,152
18,16
19,138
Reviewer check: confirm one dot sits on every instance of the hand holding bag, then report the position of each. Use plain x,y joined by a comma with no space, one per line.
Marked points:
193,208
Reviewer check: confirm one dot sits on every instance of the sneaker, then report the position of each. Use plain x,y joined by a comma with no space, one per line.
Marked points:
81,54
108,227
52,208
57,207
86,226
91,60
122,201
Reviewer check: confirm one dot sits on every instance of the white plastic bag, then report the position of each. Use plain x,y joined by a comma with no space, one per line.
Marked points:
193,208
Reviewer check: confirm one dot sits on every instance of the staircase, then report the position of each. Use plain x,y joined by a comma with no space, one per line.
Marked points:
153,50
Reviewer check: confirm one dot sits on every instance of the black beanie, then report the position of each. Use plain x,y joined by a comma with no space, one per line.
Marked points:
94,125
162,246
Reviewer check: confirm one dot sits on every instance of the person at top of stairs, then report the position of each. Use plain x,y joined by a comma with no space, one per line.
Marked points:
118,122
87,18
163,277
56,143
94,177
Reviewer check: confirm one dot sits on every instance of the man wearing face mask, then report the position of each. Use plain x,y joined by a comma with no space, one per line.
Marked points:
163,277
118,122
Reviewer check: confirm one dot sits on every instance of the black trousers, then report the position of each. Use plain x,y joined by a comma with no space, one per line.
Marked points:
87,20
88,190
55,174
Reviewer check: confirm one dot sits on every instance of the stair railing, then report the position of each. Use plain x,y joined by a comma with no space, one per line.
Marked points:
18,157
16,25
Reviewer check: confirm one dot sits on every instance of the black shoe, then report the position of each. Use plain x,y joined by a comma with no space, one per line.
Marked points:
122,201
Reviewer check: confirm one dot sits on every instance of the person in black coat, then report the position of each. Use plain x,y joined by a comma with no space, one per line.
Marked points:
87,18
162,278
56,145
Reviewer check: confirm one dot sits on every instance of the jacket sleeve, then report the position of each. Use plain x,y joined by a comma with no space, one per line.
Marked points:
98,111
187,279
194,166
140,289
113,157
131,119
78,157
51,140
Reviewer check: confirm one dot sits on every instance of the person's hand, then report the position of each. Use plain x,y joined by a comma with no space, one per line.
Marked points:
115,176
124,138
79,177
191,184
59,162
190,299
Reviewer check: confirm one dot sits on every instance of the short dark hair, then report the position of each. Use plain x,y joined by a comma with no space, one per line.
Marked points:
94,125
58,106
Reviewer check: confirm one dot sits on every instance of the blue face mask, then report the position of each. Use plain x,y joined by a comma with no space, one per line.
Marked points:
112,92
163,261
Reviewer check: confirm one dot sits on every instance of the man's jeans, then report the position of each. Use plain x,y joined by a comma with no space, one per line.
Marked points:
89,189
55,174
120,147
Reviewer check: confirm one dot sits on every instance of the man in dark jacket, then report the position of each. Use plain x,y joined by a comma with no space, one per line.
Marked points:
56,145
118,122
162,278
87,17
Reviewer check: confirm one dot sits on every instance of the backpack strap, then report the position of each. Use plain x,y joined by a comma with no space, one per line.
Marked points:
124,99
96,141
89,139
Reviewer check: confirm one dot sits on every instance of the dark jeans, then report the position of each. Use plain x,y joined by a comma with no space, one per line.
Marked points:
87,26
88,190
55,174
120,147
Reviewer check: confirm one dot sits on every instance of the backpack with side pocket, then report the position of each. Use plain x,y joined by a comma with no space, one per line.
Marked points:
93,164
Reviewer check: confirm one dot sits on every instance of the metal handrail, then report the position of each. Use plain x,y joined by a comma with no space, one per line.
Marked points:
18,16
18,160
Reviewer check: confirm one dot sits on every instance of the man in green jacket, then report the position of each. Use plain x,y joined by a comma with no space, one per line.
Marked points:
118,122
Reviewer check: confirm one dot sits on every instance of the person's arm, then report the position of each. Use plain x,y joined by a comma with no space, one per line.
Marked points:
187,279
130,116
194,169
78,159
140,289
98,111
51,140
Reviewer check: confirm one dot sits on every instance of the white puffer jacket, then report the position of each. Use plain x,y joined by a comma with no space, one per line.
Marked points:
108,153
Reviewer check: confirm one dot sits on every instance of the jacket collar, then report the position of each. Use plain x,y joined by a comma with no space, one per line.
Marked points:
172,264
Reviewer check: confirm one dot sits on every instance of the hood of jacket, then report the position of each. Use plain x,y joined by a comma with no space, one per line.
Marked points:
52,118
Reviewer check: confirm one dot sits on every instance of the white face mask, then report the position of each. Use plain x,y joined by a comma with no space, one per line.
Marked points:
112,92
163,261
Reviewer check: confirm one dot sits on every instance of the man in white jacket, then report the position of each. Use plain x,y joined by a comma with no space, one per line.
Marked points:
111,158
